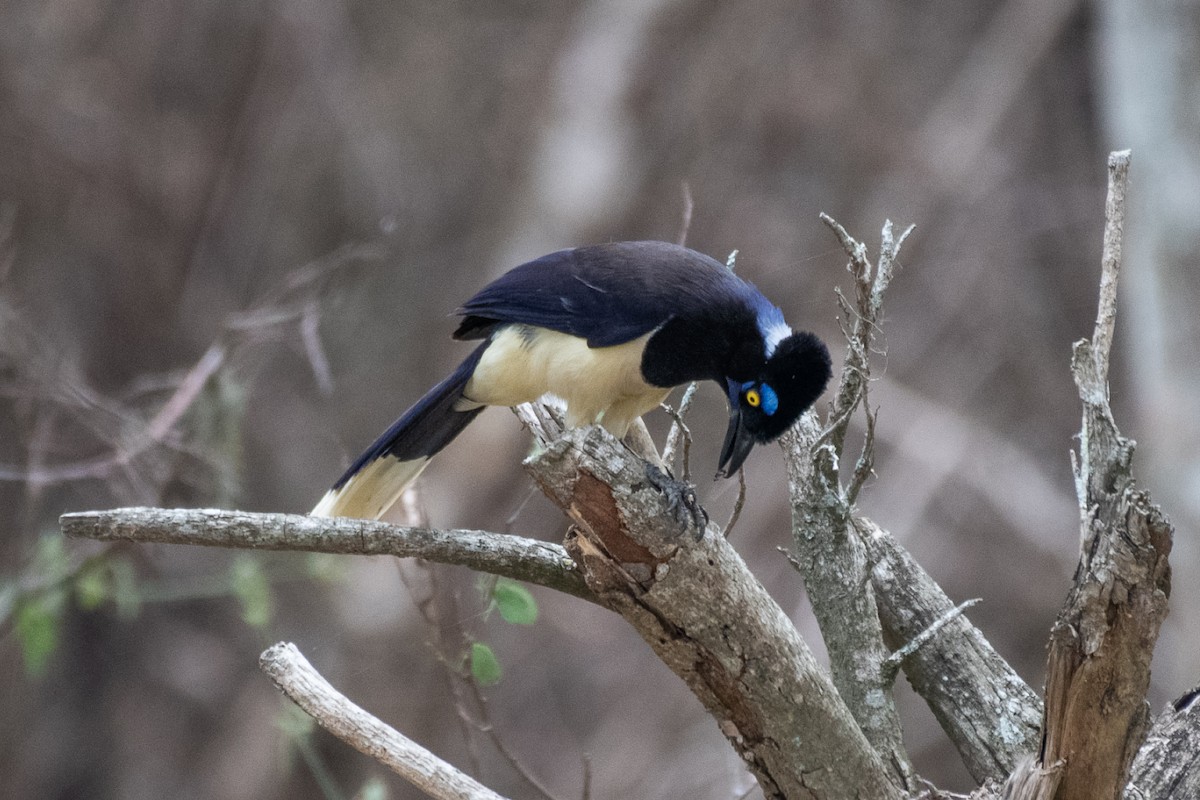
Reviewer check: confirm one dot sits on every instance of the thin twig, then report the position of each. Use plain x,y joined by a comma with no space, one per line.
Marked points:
891,665
486,726
738,504
297,678
516,514
678,426
291,303
310,333
685,224
451,668
1110,259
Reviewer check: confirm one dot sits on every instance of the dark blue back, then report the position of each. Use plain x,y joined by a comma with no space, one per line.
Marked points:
607,294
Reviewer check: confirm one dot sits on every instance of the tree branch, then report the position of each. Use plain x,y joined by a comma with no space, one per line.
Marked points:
541,563
297,679
1098,668
707,617
1168,765
830,555
990,714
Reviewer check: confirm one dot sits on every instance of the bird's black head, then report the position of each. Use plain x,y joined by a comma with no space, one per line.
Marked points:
763,407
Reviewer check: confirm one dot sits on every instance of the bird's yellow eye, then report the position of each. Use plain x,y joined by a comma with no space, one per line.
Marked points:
753,399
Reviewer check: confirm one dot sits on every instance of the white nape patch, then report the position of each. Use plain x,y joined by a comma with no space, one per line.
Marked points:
372,490
775,333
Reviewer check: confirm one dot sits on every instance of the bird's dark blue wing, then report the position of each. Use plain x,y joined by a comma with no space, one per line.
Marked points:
607,294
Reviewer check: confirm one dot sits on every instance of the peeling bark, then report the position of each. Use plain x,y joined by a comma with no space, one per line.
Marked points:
710,620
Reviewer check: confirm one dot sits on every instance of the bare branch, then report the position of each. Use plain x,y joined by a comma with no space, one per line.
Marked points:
1110,259
832,559
990,714
514,557
685,224
893,662
738,505
1168,765
679,428
772,700
296,678
1098,668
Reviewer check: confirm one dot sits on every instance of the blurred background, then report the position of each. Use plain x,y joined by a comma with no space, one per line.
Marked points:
231,234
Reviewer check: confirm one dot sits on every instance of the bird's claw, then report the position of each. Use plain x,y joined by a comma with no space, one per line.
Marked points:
681,498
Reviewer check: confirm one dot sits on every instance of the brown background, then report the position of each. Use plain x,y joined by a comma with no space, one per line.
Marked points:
165,165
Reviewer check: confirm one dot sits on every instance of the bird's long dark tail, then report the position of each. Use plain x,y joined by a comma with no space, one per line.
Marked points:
381,474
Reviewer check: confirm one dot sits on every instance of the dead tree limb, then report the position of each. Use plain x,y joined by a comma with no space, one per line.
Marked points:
1168,765
1098,668
522,559
990,714
297,678
866,590
709,619
826,548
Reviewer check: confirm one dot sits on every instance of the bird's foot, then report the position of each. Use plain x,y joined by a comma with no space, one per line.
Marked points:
681,498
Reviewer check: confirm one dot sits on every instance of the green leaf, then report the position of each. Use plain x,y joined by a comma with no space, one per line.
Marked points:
373,789
485,667
93,586
515,602
37,625
252,589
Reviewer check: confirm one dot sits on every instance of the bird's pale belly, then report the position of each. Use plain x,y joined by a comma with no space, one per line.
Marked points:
599,384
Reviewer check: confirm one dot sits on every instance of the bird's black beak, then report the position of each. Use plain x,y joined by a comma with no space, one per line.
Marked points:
738,441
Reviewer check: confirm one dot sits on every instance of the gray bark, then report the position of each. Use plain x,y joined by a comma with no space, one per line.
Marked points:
710,620
1168,765
1098,668
514,557
826,547
296,678
990,714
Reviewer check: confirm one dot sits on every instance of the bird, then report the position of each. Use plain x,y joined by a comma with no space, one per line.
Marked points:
609,329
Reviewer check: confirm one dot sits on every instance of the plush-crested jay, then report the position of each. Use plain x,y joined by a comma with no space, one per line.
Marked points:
610,329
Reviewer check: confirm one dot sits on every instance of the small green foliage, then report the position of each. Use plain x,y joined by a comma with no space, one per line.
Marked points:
373,789
325,567
485,667
37,624
93,586
515,602
252,589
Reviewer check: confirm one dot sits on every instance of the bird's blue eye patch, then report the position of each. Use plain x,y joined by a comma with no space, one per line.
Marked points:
760,395
770,401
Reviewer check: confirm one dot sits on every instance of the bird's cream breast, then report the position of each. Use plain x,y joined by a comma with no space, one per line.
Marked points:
598,384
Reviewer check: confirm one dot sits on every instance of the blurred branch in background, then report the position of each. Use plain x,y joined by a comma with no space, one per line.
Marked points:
140,449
